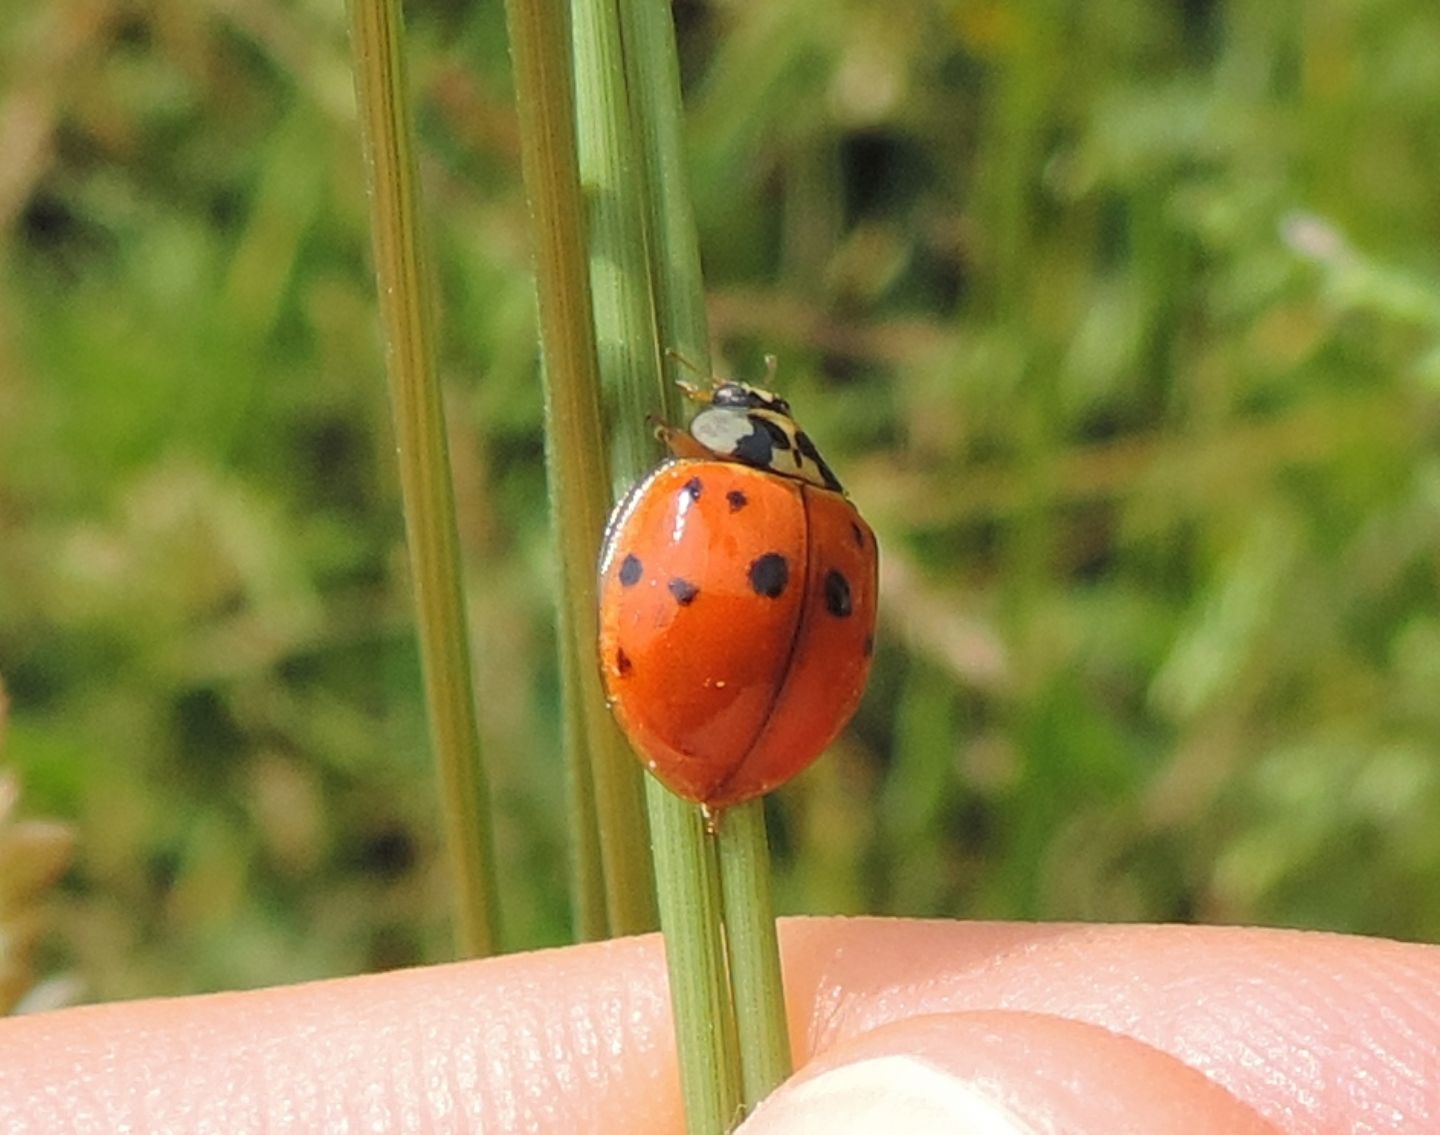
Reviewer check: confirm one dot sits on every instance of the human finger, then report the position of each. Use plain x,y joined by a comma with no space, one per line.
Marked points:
1313,1032
1002,1073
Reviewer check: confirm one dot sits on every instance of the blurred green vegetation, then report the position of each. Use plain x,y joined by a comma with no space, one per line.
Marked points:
1120,320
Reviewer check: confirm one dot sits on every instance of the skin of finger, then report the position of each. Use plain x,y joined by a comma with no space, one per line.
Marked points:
1316,1032
1020,1072
553,1041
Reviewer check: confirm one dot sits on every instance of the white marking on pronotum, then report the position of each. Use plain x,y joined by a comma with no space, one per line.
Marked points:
721,430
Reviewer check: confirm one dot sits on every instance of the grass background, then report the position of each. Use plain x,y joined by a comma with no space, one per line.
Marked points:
1121,322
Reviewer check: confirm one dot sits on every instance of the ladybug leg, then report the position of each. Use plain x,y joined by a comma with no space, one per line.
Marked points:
711,817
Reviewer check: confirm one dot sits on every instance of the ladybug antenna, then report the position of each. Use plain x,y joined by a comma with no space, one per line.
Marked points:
693,391
693,368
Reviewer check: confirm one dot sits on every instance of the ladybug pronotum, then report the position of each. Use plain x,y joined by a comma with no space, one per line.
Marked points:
737,602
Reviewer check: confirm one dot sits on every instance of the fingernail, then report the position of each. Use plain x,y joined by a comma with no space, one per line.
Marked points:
888,1093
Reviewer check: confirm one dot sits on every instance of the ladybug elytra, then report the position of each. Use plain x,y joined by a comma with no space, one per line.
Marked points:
737,602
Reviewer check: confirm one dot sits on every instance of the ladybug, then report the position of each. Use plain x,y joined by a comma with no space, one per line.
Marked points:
737,602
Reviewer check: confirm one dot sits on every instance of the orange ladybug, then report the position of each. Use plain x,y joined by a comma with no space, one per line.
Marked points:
737,602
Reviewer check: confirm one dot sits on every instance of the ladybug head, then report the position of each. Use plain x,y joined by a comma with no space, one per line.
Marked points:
754,427
743,396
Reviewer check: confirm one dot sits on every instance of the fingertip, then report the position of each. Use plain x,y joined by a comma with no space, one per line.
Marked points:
871,1093
1313,1031
1000,1073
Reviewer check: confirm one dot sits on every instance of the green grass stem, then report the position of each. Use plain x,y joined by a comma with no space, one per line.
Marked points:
590,912
576,454
762,1029
649,299
747,912
406,320
688,883
653,75
619,261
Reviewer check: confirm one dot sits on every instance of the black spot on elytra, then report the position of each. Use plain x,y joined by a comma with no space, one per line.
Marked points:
631,569
837,594
622,662
737,499
869,645
683,590
694,488
858,533
769,574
